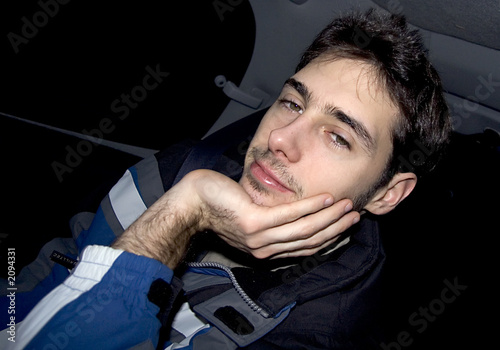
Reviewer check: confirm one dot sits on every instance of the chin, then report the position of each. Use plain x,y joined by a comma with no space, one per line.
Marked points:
257,196
262,196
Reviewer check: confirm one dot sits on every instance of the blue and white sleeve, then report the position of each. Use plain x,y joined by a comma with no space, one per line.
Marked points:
104,304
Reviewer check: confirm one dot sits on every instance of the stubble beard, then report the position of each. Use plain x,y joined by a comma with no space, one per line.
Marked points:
279,169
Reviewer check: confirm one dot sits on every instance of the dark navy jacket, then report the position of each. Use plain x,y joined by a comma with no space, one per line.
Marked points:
326,301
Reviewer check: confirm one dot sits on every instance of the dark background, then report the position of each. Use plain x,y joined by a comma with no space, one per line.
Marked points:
89,53
81,57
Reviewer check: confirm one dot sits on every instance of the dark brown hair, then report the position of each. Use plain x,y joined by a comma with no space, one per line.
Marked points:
399,58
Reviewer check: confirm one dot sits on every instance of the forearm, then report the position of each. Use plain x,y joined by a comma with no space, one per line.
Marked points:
163,232
108,287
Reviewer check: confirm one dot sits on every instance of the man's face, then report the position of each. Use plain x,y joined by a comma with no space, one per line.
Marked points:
328,132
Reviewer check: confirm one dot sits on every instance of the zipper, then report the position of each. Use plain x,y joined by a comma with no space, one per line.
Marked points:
235,283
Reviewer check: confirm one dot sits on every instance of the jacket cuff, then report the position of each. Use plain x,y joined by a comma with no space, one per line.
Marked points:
96,260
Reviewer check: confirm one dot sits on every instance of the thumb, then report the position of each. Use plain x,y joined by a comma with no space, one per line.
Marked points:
289,212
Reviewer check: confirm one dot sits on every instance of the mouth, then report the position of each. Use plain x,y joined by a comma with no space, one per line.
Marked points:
267,177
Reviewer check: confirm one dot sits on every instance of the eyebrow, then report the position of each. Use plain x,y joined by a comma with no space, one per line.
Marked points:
359,128
300,88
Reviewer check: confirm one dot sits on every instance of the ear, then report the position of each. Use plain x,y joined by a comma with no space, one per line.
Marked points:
388,197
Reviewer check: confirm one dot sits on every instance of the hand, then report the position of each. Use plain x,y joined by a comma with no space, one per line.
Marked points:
286,230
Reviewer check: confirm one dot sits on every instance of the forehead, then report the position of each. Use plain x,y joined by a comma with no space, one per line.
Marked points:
352,87
355,78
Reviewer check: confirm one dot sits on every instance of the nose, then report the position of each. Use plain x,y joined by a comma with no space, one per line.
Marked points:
286,141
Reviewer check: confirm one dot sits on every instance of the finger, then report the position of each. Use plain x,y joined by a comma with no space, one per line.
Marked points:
307,232
289,212
305,252
315,243
308,226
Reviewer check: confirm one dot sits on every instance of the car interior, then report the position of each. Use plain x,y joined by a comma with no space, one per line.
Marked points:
91,88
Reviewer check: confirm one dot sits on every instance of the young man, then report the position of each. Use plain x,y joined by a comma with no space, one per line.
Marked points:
296,266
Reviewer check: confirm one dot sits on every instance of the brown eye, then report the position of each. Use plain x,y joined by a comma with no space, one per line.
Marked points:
291,106
340,141
295,107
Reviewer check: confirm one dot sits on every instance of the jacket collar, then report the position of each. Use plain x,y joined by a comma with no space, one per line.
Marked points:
274,284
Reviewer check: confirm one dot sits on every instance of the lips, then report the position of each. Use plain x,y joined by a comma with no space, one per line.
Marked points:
265,176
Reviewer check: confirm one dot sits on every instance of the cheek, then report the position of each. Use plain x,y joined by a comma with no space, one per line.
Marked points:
315,181
341,179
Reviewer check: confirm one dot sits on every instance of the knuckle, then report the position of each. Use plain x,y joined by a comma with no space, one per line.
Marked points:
260,254
282,216
316,241
252,245
312,229
248,226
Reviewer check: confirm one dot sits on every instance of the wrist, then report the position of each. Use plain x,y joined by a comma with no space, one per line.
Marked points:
207,188
163,232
